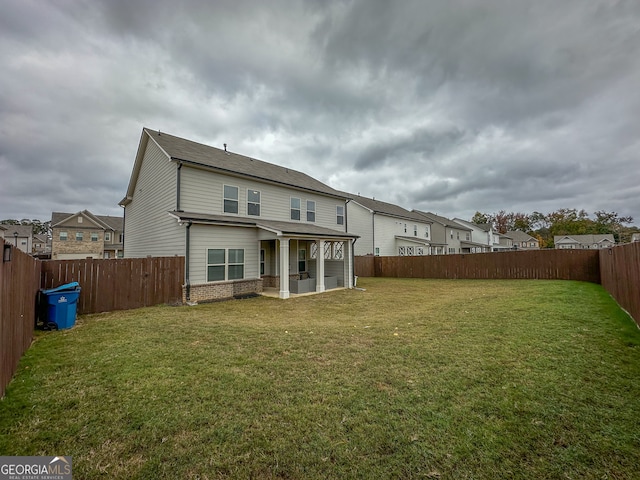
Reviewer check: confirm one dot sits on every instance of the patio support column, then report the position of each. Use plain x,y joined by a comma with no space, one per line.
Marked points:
348,259
284,268
320,267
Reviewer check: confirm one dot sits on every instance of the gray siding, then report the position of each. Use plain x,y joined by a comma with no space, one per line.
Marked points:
204,237
360,222
202,192
149,230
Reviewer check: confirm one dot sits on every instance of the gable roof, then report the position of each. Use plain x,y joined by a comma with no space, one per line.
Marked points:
21,230
441,220
104,221
585,239
385,208
197,154
520,236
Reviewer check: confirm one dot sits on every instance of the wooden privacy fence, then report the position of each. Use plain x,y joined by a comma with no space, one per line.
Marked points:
532,264
120,284
620,273
19,284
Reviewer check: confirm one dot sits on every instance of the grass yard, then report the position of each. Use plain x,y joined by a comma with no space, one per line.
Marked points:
409,379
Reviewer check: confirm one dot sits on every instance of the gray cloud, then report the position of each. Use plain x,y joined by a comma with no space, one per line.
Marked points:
449,106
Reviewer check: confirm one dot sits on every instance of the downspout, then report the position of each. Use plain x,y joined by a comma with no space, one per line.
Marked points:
353,244
373,233
178,187
186,262
124,226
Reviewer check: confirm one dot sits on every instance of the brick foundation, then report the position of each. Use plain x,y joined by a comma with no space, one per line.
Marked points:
207,292
270,281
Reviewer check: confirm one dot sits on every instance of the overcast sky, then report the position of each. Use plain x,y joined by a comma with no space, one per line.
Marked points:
450,106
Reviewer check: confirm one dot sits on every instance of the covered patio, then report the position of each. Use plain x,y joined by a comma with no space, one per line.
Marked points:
298,259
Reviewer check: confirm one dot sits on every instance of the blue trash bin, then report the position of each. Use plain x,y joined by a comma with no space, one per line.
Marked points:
61,303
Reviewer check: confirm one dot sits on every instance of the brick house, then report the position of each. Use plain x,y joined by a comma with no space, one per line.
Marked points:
83,234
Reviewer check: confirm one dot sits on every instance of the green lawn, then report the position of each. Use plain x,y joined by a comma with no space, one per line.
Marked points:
408,379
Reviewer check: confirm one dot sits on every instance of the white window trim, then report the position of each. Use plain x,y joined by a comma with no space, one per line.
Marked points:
339,215
259,202
226,265
224,199
299,209
310,211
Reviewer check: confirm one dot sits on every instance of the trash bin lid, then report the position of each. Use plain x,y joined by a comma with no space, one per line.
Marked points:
66,286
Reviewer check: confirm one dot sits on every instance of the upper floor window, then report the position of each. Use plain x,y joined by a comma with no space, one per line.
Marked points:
295,208
79,219
94,237
457,235
405,228
107,236
415,230
451,234
311,211
230,199
426,232
468,236
121,237
63,236
79,236
253,202
340,215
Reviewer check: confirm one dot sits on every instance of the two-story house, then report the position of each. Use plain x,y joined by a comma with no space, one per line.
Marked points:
83,234
20,236
42,246
242,224
386,229
522,240
453,237
583,242
484,237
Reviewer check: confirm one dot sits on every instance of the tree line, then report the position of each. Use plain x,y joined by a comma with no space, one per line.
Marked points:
38,227
565,221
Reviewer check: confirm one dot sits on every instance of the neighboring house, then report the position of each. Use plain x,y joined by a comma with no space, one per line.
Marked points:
583,242
505,242
83,234
386,229
523,241
42,246
485,235
20,236
241,223
635,237
448,236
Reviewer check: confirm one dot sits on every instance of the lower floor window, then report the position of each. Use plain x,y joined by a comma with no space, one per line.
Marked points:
225,264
